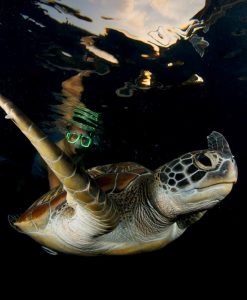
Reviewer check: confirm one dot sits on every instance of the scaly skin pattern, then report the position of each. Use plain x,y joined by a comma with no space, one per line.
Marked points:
143,210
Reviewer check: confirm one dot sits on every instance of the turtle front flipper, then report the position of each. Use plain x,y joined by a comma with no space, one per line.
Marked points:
81,189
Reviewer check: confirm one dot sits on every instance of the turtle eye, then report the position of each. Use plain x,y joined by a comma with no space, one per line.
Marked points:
204,161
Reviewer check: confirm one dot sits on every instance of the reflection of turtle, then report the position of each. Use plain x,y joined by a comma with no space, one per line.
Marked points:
123,208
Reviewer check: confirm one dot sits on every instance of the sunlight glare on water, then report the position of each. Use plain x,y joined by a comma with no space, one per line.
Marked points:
157,22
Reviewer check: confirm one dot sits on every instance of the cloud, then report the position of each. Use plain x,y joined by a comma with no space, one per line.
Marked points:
134,17
180,11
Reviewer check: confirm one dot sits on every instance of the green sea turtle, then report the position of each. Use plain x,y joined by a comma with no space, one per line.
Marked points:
122,208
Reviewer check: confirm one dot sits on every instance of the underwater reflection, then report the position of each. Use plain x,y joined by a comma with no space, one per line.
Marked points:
194,79
158,23
88,42
145,81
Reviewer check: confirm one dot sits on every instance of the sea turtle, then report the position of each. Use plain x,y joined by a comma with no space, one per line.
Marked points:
122,208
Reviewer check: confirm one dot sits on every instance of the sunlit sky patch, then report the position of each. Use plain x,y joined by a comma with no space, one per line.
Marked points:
134,17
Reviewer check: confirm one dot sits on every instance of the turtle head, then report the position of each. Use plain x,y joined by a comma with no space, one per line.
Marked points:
197,180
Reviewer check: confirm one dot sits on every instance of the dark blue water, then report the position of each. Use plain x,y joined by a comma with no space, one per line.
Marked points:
149,122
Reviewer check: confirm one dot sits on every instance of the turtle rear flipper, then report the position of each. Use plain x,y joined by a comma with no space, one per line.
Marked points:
80,187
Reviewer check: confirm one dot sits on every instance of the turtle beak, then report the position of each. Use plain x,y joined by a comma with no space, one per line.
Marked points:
217,142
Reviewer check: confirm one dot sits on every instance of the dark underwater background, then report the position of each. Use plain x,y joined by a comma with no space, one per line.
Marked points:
151,125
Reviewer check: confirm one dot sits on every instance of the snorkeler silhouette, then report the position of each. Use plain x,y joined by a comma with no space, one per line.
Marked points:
81,133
